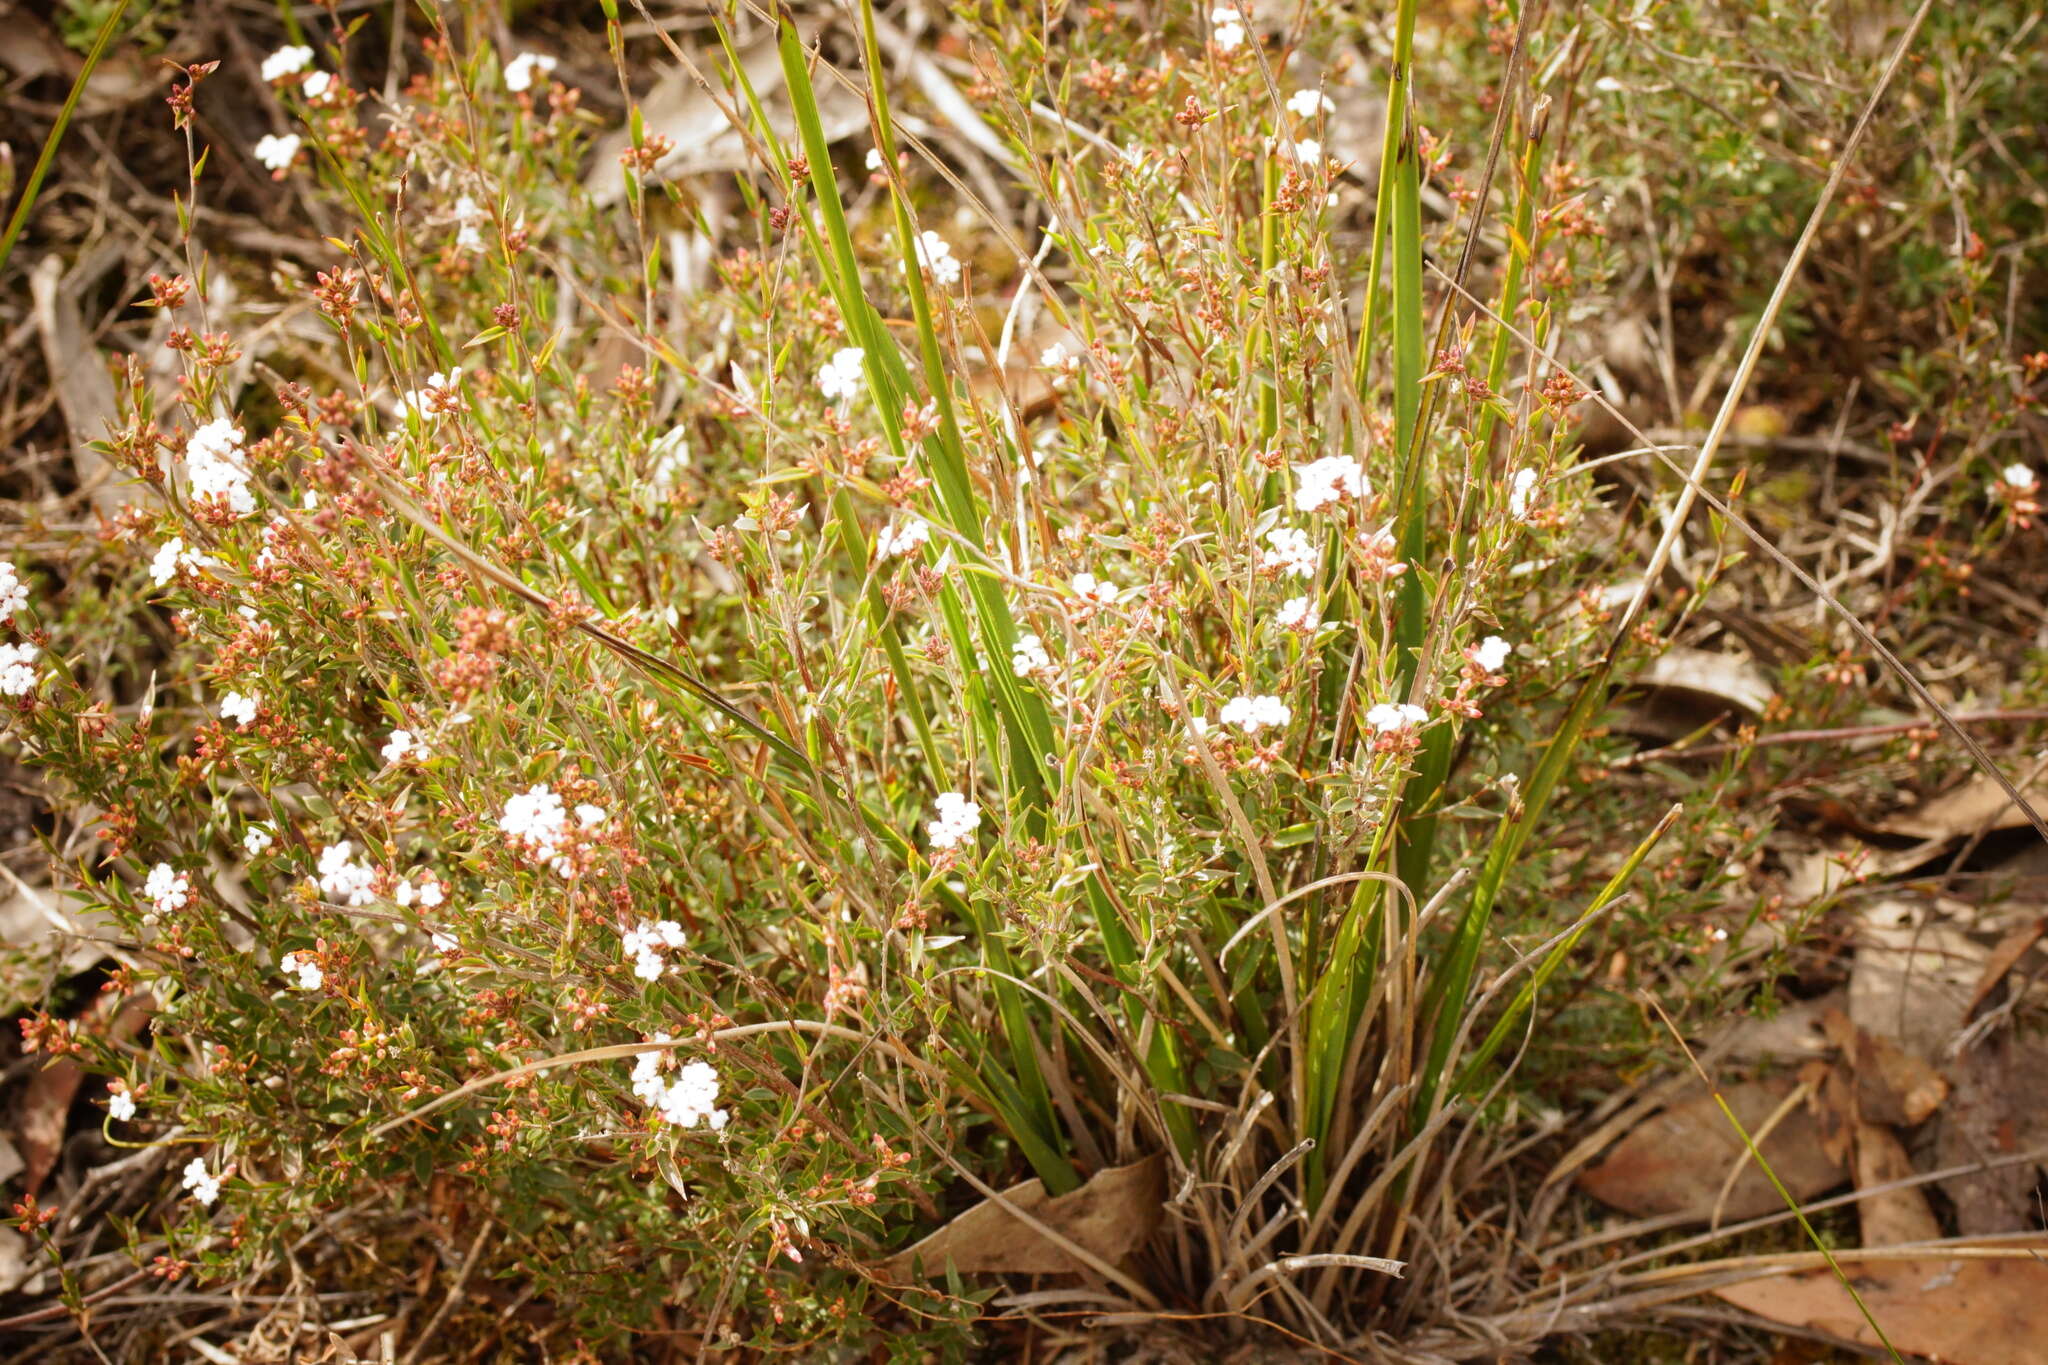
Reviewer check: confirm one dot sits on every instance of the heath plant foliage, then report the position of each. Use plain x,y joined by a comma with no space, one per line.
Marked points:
709,735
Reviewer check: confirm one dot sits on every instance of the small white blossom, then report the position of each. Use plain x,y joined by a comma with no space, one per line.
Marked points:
167,889
902,538
343,877
468,218
316,85
443,942
1299,613
841,377
402,745
1520,490
874,158
1227,22
1097,591
644,944
431,891
256,839
520,71
425,401
277,152
13,592
1253,714
1491,653
205,1187
120,1105
1330,479
1028,656
1393,718
2020,478
1291,552
214,469
1309,103
286,61
955,818
239,709
935,254
17,670
306,967
173,557
1308,152
690,1099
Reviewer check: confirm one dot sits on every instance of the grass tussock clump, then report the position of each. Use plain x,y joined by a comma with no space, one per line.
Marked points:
696,724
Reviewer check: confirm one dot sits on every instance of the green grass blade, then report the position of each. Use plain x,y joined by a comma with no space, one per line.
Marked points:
32,188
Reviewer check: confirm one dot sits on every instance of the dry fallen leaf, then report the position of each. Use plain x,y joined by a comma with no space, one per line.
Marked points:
1895,1216
1677,1161
1975,805
1963,1312
1111,1216
1912,983
1893,1086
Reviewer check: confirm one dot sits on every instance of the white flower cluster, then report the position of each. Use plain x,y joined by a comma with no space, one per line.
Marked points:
1028,656
204,1185
841,377
17,670
1290,551
428,893
423,400
1330,479
120,1103
345,879
1308,152
955,820
1395,717
286,61
316,85
239,708
1096,591
277,152
1491,653
172,557
645,943
536,821
1299,613
688,1100
902,537
1228,23
1309,103
2018,477
935,254
13,592
402,745
1520,492
520,71
306,967
1253,714
167,889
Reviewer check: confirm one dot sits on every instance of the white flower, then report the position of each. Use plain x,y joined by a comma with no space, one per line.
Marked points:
645,943
841,376
1056,356
1490,653
13,592
520,70
305,967
1291,552
317,84
167,889
468,216
17,670
343,878
431,892
286,61
1519,491
172,556
1309,103
874,158
1308,152
536,822
1330,479
277,153
902,538
401,745
956,818
205,1187
935,254
1099,591
1253,714
214,469
693,1098
256,839
1028,656
1299,613
239,709
2018,477
120,1105
1393,718
443,942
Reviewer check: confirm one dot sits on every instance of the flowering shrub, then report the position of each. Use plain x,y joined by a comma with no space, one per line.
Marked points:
694,770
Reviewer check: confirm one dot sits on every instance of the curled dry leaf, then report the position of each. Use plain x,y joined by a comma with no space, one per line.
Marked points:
1676,1162
1963,1312
1111,1216
1974,806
